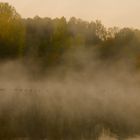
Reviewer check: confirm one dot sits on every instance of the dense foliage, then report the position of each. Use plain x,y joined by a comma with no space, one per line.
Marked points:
46,41
11,32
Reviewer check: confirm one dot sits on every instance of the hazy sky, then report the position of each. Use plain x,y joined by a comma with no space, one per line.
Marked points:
110,12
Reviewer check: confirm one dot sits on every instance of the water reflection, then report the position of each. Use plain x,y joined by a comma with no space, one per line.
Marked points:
37,115
107,137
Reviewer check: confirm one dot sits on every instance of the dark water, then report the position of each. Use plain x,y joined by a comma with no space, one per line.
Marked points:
28,114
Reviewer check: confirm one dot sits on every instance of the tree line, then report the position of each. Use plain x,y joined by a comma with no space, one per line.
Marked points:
46,40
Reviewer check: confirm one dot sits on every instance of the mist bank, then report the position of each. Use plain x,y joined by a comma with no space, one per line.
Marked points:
69,102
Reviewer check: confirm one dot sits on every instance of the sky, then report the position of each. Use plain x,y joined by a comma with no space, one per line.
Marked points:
121,13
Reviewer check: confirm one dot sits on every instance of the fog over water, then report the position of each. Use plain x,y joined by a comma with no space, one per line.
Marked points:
96,101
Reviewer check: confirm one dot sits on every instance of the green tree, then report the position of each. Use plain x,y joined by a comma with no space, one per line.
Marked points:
11,32
101,31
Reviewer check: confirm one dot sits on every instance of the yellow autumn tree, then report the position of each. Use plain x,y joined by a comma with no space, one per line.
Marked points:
12,32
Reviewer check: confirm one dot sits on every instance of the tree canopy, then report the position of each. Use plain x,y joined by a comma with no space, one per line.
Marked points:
11,32
47,40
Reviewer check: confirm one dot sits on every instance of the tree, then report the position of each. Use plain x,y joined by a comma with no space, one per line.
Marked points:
11,32
101,31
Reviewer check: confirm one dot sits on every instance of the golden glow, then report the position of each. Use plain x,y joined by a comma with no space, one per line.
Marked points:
110,12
